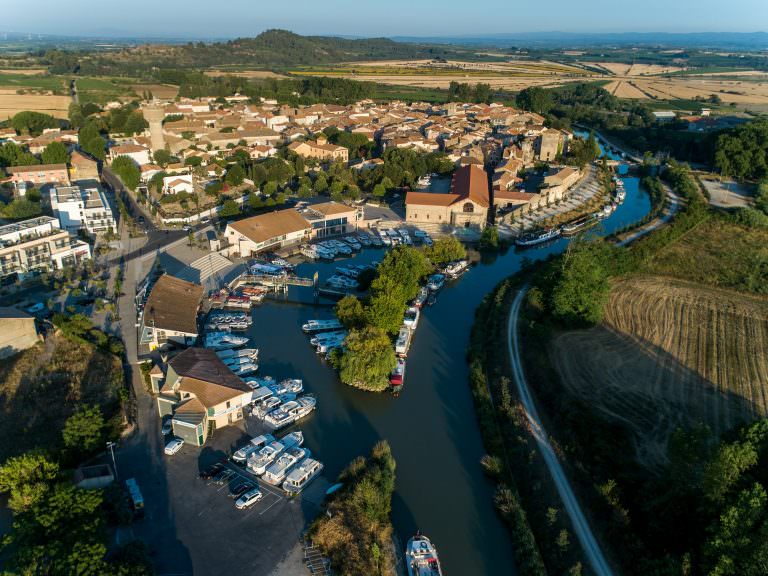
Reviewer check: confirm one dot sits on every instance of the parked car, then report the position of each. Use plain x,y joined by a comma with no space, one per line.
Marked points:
212,471
239,489
174,446
248,499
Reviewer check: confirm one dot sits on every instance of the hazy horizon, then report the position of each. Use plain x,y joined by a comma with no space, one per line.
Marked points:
427,18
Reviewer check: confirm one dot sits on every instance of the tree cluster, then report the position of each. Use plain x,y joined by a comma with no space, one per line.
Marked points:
743,152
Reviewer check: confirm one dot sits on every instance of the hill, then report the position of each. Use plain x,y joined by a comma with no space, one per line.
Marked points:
270,49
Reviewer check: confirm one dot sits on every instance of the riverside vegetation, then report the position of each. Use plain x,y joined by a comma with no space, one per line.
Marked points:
356,532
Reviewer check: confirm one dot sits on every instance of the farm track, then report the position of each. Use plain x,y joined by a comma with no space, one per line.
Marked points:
670,353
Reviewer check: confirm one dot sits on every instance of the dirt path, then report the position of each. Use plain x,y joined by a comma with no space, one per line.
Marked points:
580,525
669,212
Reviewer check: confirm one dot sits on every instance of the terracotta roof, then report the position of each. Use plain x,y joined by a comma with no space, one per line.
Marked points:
331,208
512,195
127,149
471,182
35,168
430,199
209,393
173,304
271,225
202,373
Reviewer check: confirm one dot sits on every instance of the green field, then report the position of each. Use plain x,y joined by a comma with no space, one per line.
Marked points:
31,82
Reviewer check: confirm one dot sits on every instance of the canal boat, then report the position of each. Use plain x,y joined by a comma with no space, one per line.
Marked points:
579,224
385,239
266,269
257,462
421,557
301,475
223,341
421,298
266,404
309,251
326,346
535,238
397,377
457,268
290,412
337,281
236,361
254,444
351,271
377,241
277,471
364,239
411,318
403,342
322,325
353,243
244,369
344,249
288,386
238,353
435,282
327,336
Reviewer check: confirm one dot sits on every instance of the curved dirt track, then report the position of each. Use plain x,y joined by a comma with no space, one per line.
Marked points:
670,353
581,527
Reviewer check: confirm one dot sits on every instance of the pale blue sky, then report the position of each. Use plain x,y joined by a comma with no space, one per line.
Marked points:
231,18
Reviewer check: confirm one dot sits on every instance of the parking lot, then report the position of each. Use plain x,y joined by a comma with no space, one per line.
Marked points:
221,538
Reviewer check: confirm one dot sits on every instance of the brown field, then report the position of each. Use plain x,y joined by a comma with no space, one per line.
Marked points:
162,91
245,73
24,71
624,89
669,353
687,87
11,103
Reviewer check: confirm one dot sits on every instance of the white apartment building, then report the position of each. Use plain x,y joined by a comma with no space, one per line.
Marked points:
38,244
82,209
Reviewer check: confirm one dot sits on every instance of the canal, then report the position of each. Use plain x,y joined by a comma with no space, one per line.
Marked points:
431,426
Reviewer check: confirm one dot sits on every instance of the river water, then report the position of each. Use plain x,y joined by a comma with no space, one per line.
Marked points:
431,426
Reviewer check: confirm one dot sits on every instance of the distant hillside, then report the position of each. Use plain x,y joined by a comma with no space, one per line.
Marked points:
271,49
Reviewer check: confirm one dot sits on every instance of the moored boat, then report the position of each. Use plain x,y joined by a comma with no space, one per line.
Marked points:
403,342
535,238
277,471
223,340
581,223
301,475
411,319
435,282
290,412
421,298
421,557
397,377
457,268
254,444
312,326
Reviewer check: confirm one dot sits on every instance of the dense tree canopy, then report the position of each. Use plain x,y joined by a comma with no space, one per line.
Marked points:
445,250
128,171
55,153
33,123
367,360
743,152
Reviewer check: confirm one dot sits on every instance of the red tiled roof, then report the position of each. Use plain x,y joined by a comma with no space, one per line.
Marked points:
471,182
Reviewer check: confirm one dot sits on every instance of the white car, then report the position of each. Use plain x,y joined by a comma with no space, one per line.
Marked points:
249,498
174,446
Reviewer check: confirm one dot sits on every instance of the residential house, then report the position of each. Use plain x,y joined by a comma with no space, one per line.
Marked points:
201,394
79,208
170,313
39,174
138,154
178,183
320,150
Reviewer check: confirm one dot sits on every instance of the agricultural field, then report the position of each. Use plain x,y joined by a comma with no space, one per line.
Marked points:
162,91
102,90
11,103
31,82
258,74
668,353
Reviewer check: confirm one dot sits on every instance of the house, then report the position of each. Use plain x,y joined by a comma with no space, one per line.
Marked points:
664,115
170,314
80,208
36,245
549,145
465,205
138,154
178,183
331,219
272,230
39,174
17,332
201,394
320,150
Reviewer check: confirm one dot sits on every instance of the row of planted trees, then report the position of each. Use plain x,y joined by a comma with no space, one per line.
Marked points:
368,357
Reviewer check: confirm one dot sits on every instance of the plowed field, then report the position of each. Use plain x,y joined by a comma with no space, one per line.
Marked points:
670,353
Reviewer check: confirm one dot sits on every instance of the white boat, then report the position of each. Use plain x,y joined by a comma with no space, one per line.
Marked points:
457,268
344,249
260,460
411,319
424,181
223,340
254,444
236,361
312,326
263,269
351,272
288,386
298,478
342,282
238,353
277,471
385,239
309,251
290,412
364,239
535,238
245,369
354,244
266,405
327,336
435,282
260,393
327,345
403,342
421,557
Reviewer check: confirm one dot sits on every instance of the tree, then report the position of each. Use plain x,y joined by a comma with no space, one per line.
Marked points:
127,170
535,99
379,191
368,360
445,250
489,240
95,147
350,312
55,153
21,209
581,290
84,430
33,122
270,188
229,209
235,175
321,183
162,157
26,478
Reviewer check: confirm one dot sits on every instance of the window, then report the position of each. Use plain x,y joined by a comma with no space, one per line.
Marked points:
468,208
